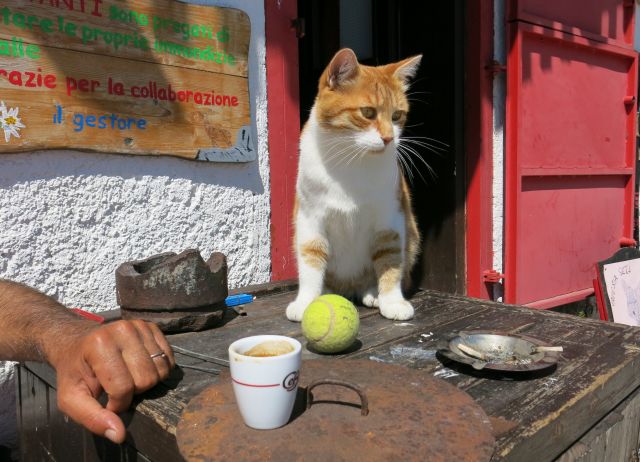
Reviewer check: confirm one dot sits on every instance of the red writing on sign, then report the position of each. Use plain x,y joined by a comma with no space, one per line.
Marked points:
85,6
29,79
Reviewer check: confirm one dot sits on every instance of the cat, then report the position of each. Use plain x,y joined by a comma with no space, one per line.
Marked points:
355,233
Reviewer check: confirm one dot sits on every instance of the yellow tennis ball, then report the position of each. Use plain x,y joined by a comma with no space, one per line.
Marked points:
330,323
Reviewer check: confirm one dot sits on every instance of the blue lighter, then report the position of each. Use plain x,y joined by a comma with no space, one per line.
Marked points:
239,299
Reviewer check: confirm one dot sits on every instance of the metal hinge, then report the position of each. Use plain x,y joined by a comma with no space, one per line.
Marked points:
627,242
298,25
492,276
629,100
495,67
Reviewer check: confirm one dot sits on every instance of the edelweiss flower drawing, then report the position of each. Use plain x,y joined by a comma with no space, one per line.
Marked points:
10,122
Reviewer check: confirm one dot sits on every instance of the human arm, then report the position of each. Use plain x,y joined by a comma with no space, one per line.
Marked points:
88,358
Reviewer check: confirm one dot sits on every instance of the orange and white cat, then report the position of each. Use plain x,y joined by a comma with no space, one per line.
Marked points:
355,232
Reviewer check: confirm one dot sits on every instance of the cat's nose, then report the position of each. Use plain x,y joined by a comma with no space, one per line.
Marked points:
387,139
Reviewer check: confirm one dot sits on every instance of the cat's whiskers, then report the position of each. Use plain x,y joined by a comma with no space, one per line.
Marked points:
329,145
402,163
411,93
442,143
343,150
406,159
421,101
357,154
335,159
351,153
428,143
413,84
431,139
409,153
439,151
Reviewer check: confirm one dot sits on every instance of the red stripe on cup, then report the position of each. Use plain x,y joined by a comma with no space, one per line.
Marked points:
255,386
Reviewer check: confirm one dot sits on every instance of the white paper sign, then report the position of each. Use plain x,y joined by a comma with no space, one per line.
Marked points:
623,288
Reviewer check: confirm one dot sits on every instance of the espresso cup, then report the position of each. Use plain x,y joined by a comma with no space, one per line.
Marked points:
265,386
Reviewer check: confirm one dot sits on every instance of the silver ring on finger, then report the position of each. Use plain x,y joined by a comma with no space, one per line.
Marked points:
159,354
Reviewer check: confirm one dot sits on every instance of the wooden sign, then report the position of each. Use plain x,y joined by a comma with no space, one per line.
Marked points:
139,77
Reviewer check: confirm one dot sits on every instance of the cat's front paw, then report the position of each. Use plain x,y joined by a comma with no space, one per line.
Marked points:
398,310
296,309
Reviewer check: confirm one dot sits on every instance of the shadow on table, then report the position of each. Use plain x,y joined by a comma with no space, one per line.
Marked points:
355,346
466,369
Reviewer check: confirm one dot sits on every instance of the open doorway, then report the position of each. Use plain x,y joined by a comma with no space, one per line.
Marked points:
383,31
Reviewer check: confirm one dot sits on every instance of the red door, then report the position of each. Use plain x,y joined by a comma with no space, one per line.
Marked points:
570,146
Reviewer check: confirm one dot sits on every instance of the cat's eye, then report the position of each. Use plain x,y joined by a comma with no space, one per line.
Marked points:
369,112
397,115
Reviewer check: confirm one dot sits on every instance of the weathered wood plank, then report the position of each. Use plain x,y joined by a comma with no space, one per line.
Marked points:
614,438
140,24
167,124
36,438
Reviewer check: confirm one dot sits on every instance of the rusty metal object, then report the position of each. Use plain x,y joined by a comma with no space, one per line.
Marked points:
364,401
179,292
412,416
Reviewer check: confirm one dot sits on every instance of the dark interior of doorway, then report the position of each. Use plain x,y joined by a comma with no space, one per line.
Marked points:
383,31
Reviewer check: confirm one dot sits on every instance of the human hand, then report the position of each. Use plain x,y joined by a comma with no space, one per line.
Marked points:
115,358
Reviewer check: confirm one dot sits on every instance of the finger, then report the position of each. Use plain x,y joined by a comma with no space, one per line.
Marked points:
162,343
105,358
161,363
136,355
82,407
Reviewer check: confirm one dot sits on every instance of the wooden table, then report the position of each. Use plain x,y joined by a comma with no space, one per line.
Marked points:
592,398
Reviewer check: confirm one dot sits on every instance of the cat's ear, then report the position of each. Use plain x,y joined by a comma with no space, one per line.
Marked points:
407,68
342,69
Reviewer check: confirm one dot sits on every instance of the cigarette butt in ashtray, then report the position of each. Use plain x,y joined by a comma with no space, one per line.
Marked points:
542,349
472,352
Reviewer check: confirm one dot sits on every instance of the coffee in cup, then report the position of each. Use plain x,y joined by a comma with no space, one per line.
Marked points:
269,348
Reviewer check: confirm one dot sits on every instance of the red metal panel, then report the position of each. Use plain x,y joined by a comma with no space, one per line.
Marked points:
570,161
566,225
284,130
479,126
602,20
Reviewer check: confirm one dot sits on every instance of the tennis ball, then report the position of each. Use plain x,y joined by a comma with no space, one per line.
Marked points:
330,323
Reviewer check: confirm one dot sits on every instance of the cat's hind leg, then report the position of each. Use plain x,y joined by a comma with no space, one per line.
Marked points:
370,297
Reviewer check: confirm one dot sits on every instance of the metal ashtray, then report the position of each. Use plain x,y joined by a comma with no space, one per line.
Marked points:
499,351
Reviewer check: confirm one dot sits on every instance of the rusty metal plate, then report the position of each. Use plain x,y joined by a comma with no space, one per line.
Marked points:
412,416
499,351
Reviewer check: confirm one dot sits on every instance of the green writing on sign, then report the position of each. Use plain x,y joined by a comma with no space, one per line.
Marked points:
16,48
116,40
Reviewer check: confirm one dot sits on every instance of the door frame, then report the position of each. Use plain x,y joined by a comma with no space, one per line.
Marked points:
479,146
284,130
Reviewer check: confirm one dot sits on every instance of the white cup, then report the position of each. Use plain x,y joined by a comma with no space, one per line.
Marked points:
265,387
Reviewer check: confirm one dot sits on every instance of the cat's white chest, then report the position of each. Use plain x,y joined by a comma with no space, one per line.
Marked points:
350,236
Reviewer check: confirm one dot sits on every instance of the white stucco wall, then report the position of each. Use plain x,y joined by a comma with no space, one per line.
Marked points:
68,219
